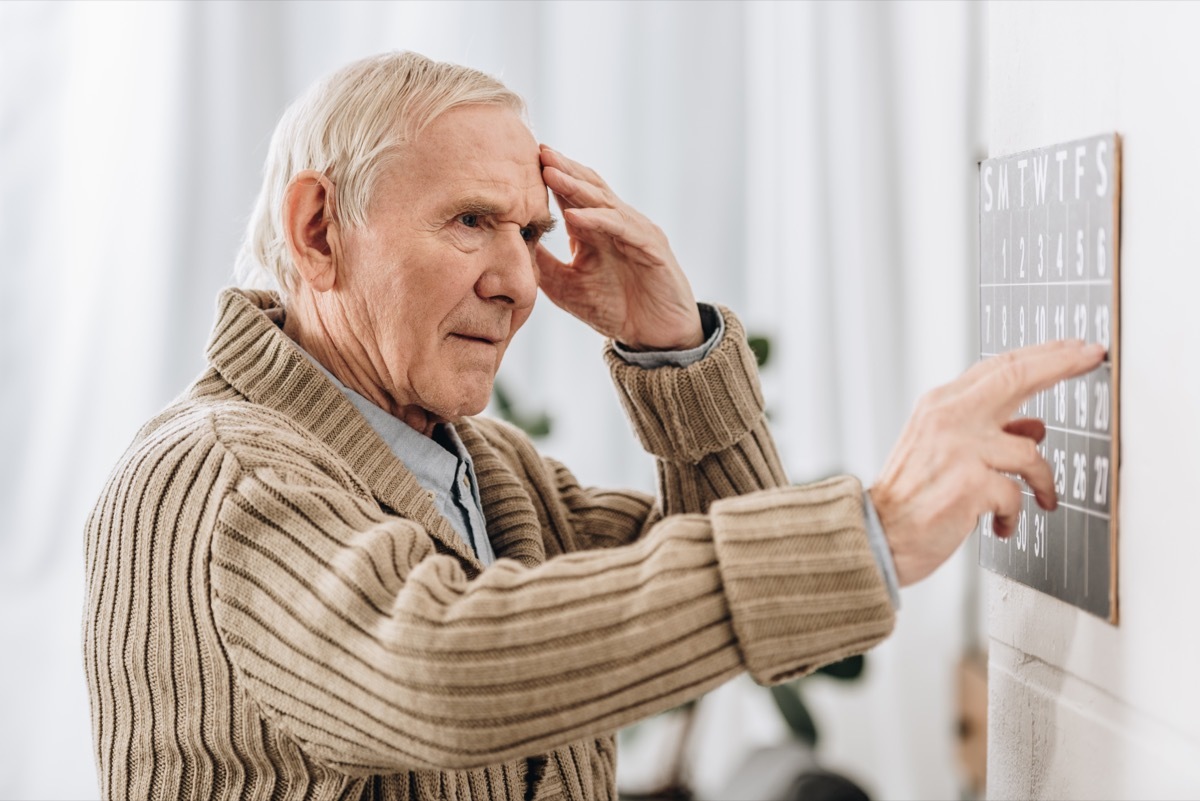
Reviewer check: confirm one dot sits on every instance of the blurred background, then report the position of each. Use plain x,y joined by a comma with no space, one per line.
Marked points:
813,164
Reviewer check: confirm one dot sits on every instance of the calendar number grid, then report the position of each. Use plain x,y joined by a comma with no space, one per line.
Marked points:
1049,229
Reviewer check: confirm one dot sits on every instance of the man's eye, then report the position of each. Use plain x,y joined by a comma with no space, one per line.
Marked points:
529,233
469,220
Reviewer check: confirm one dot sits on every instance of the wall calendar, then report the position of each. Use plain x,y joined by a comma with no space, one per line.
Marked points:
1049,269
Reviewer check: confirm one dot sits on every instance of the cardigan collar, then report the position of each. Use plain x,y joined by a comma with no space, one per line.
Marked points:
250,351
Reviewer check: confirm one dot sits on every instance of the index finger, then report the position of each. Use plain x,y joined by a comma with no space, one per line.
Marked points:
1003,381
552,158
571,192
984,366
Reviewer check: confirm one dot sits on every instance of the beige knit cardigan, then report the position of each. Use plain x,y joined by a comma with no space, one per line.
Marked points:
275,609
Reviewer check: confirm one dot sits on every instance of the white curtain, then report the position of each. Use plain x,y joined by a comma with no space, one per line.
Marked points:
812,164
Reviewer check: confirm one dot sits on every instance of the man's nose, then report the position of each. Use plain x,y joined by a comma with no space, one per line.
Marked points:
510,275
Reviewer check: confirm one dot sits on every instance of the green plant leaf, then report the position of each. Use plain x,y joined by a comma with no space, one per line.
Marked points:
535,425
761,347
795,713
849,668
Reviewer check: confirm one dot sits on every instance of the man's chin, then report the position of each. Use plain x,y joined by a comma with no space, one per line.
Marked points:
467,403
458,393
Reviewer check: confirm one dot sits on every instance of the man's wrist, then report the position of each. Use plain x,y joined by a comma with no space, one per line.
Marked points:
713,328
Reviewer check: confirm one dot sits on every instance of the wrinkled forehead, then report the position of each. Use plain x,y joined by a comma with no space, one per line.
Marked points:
476,149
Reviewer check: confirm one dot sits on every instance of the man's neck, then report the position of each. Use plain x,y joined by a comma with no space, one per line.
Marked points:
328,339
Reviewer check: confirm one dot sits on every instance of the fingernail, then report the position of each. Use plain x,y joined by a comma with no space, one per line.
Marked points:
1095,349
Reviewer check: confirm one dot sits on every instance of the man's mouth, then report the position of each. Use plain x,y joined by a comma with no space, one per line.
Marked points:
486,339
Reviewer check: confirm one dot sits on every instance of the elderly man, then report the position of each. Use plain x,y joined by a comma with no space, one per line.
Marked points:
316,575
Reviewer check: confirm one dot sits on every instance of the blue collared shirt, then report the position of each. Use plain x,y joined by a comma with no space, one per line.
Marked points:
440,464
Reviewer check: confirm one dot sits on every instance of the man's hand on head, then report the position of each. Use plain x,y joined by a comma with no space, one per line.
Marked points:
622,279
948,466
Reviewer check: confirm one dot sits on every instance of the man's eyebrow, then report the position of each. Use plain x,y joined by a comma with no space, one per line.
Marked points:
544,225
474,205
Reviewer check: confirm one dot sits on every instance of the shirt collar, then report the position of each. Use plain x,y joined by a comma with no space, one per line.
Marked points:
434,467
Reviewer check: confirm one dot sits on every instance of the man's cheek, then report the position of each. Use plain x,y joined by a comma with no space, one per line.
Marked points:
501,349
518,319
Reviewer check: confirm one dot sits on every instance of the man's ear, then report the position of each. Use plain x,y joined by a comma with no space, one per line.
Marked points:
311,230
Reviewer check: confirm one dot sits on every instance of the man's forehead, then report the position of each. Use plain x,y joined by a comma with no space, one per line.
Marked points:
479,133
483,193
485,152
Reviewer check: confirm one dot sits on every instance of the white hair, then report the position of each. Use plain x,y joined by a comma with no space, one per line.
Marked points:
346,126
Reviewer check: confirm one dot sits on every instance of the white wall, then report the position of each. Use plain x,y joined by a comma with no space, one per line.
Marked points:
1079,708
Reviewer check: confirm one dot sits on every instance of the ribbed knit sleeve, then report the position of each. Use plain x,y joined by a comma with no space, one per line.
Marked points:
704,423
780,553
376,653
